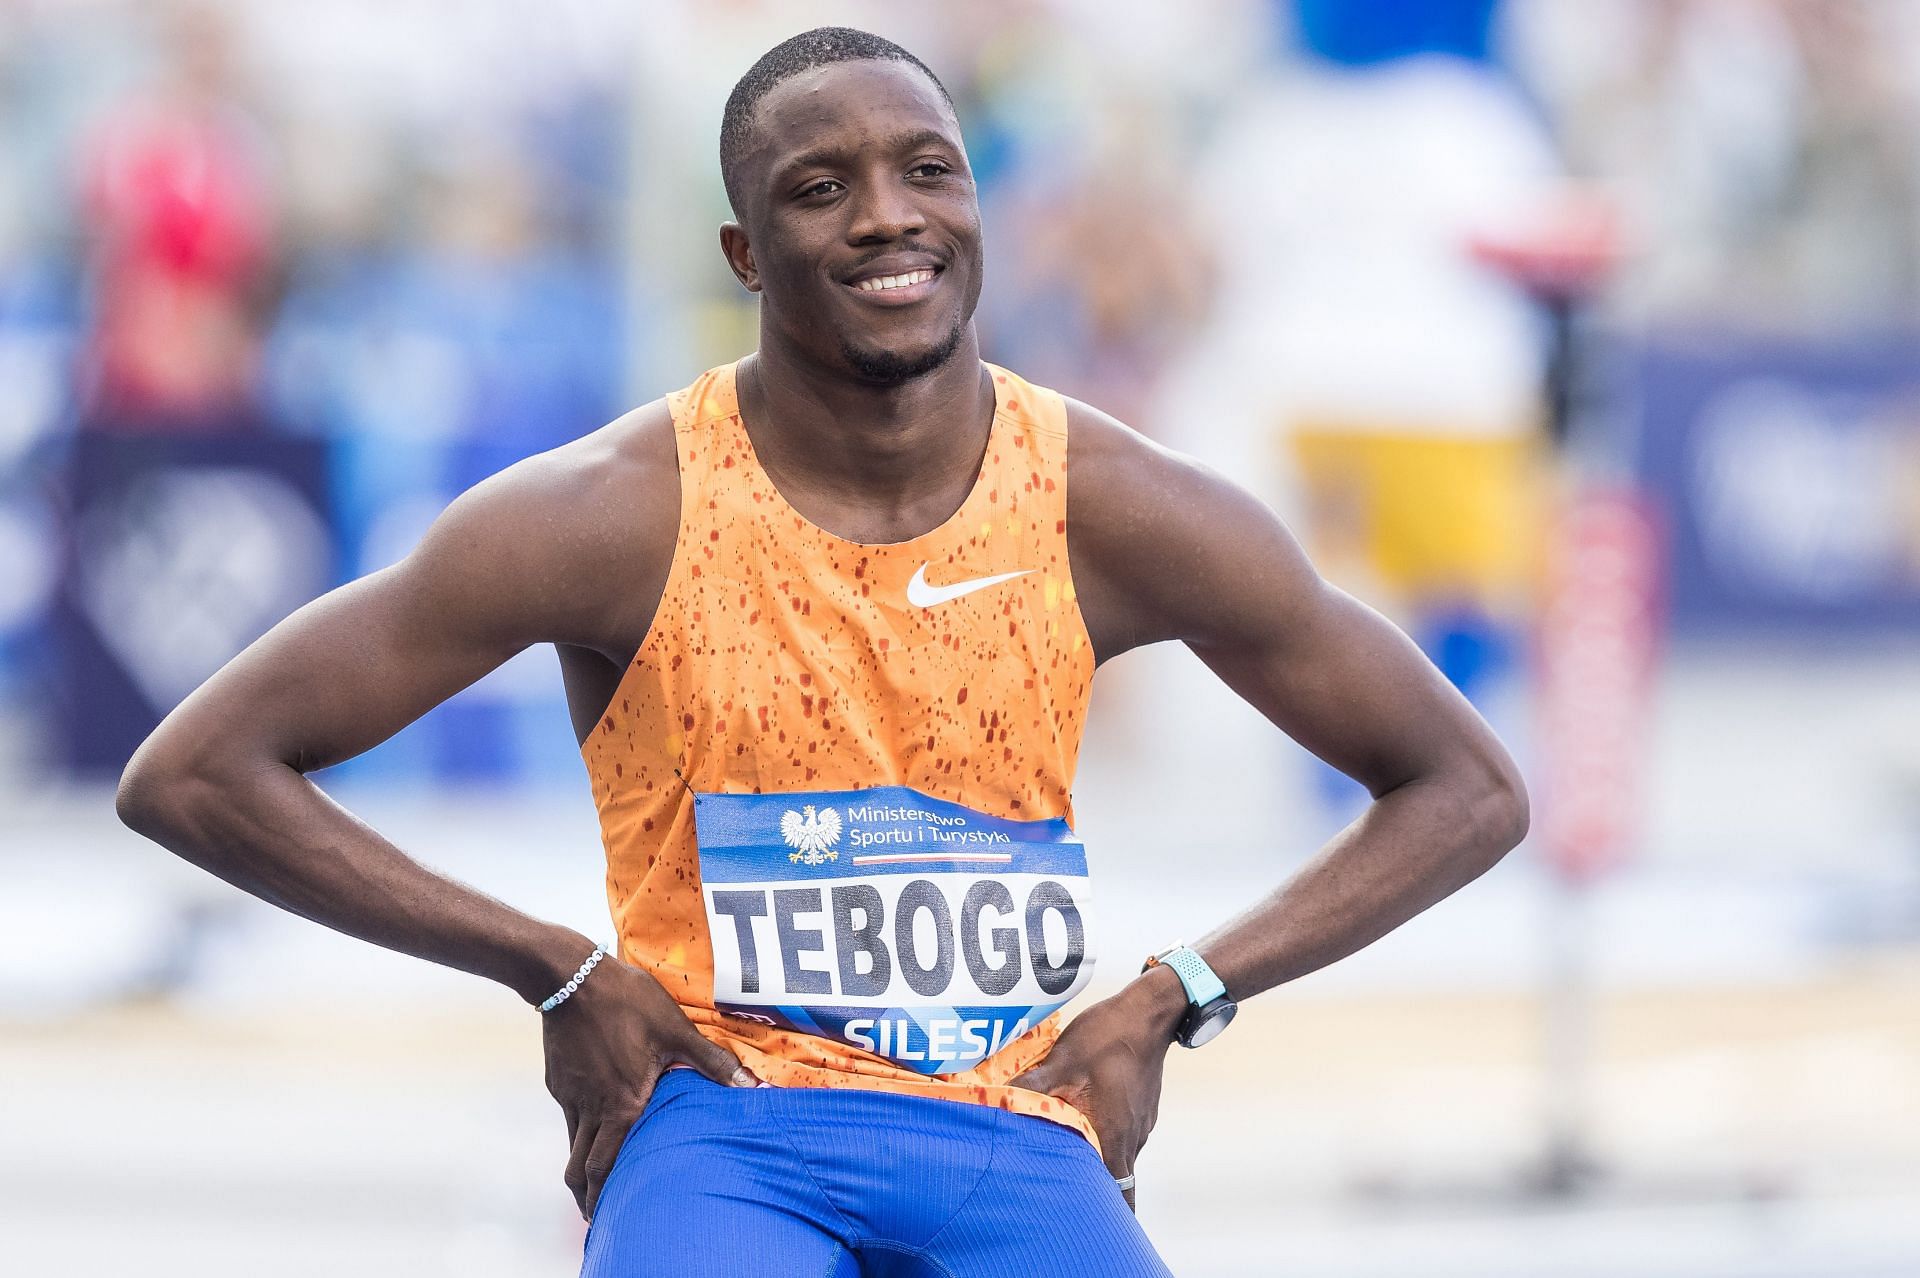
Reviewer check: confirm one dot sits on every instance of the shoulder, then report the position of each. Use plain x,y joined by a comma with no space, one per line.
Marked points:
1104,451
565,534
637,447
1122,486
1157,538
586,492
599,483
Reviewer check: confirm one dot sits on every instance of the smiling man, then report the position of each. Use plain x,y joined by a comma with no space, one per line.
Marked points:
828,619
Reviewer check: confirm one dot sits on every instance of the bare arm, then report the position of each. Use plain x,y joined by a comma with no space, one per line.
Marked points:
559,548
1204,562
223,781
1165,549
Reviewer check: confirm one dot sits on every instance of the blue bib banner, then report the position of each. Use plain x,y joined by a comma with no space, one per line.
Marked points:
904,925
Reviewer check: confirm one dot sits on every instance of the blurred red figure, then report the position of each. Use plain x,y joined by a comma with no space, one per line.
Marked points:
176,206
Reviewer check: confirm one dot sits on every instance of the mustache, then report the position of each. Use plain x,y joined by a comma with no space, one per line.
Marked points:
940,259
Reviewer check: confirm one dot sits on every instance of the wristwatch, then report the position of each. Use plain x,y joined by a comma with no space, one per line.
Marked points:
1209,1010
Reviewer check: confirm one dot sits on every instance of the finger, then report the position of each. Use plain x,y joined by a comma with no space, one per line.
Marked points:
715,1061
576,1173
1120,1150
1121,1169
601,1158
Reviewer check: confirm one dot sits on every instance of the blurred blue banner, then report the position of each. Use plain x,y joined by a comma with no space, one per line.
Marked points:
183,550
1789,474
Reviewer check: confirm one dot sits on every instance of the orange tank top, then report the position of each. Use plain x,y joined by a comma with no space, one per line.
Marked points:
834,784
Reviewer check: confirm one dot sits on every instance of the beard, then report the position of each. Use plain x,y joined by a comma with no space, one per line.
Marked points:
892,368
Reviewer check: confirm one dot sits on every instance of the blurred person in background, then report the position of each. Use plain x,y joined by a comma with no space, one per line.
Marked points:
1763,153
1103,270
680,582
1107,273
1400,379
178,206
188,524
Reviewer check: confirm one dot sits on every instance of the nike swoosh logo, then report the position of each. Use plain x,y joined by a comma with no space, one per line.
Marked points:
921,595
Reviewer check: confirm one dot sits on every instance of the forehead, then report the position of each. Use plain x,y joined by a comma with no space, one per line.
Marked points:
849,106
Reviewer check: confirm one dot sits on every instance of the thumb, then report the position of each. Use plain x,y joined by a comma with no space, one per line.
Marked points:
715,1061
1035,1078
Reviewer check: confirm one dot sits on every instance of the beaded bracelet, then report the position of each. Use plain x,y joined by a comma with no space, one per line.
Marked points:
565,992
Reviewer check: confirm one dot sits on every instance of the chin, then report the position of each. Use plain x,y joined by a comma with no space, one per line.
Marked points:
891,367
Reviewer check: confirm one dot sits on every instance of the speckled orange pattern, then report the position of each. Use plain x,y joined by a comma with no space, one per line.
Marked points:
786,658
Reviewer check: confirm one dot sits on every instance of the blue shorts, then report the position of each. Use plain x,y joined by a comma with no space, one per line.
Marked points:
769,1182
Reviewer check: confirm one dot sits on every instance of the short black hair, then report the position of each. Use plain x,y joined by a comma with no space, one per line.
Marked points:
819,47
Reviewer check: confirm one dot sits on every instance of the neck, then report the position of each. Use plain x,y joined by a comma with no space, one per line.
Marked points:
890,451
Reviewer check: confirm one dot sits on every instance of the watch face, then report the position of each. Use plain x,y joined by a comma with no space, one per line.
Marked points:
1207,1022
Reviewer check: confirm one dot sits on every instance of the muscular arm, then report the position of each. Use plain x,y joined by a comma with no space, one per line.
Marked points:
1165,548
572,548
569,547
532,555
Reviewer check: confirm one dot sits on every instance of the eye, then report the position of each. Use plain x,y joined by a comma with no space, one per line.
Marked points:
929,168
825,186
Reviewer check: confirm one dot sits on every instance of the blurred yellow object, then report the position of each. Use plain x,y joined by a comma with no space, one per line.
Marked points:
1427,516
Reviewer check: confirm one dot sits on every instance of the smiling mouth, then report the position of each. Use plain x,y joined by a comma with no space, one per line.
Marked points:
906,279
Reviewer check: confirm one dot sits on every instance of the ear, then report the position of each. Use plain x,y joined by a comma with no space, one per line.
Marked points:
739,255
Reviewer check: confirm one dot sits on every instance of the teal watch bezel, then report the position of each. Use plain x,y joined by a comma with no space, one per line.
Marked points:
1209,1009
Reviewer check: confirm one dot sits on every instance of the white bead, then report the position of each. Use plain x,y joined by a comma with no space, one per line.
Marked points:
580,974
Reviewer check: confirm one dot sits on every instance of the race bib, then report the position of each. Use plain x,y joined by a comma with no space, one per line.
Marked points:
904,925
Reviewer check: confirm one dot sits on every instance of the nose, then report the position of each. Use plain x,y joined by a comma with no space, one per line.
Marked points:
884,209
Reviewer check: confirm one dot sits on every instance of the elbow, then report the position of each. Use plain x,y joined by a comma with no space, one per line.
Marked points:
1519,815
140,799
1486,812
1501,812
161,787
191,784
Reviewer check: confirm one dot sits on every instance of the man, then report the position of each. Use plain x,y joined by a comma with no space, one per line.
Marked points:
828,659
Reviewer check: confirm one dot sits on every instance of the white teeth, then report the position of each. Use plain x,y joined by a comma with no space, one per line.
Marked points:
879,282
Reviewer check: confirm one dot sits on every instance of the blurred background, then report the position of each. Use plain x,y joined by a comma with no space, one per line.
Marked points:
1579,338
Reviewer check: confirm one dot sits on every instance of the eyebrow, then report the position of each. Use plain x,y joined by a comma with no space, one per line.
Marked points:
912,139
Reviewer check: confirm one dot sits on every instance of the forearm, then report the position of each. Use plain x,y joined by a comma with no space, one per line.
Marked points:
268,830
1414,846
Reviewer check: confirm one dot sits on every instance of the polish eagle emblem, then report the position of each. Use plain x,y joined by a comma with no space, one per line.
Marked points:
811,834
